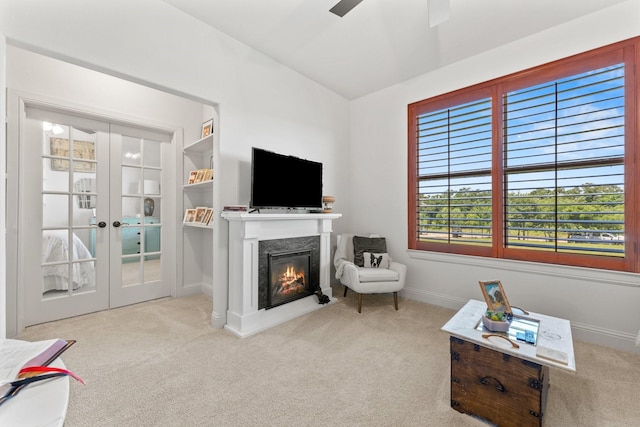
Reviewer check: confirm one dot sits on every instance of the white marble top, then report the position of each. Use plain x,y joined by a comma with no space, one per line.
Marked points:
554,337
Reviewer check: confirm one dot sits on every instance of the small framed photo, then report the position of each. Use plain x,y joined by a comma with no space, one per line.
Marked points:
189,215
494,296
192,177
200,211
207,216
199,175
207,128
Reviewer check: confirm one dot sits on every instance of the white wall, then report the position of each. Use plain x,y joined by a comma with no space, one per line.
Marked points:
260,102
3,260
603,306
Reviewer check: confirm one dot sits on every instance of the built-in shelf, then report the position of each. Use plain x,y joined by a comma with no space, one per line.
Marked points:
199,186
204,145
198,225
197,237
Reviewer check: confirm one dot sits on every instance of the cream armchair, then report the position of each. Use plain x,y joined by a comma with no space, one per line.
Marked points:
374,277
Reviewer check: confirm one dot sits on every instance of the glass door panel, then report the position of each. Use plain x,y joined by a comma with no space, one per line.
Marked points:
140,179
59,196
69,196
55,210
140,176
152,156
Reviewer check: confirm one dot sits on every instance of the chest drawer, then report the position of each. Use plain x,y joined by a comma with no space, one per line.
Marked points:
500,388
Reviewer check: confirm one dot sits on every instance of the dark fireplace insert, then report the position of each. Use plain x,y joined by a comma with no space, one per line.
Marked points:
289,269
288,276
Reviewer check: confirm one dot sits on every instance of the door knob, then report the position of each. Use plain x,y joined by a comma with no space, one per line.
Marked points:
102,224
116,223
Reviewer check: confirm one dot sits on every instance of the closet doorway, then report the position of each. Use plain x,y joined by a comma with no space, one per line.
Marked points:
91,199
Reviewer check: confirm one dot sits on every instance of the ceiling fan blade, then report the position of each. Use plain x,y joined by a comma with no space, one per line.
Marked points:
438,11
344,6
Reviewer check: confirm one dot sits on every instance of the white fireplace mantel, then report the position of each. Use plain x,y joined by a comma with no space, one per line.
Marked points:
246,230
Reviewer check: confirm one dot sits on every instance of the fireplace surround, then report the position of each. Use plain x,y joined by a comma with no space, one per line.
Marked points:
247,311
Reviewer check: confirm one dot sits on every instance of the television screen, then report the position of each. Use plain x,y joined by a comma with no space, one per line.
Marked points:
281,181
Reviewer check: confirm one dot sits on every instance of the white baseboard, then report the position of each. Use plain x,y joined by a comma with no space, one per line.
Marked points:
440,300
196,289
207,289
218,320
606,337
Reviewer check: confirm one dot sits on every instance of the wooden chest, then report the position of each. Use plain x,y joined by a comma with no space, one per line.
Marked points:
497,387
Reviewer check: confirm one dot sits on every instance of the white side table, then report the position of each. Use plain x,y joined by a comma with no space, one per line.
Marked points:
42,404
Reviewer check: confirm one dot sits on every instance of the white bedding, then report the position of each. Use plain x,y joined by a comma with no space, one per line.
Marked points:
55,248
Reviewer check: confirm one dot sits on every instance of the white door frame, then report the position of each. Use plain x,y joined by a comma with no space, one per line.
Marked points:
16,101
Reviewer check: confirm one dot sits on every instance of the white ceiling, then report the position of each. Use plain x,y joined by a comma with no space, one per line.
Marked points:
380,42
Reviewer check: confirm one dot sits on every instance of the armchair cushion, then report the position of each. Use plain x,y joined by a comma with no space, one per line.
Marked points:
372,260
368,275
367,244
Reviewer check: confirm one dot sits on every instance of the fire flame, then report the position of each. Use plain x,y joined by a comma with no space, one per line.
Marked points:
290,281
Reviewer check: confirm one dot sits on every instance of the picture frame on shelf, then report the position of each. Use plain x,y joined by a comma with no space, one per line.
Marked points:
207,216
200,212
189,216
207,128
199,176
494,296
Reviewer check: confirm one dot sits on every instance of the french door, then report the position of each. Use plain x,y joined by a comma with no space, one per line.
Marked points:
90,222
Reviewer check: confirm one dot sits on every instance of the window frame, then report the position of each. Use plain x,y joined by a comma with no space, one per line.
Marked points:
626,52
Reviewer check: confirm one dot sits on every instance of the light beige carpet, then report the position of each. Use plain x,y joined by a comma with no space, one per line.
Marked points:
161,364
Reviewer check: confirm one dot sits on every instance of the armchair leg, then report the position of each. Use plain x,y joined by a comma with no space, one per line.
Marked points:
395,299
345,292
359,303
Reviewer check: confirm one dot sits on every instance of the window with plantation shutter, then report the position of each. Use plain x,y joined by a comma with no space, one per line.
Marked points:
454,173
532,166
564,164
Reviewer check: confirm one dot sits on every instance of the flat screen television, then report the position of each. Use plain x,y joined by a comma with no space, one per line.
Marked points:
282,181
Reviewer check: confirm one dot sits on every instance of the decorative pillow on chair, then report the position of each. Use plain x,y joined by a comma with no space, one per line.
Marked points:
372,260
376,245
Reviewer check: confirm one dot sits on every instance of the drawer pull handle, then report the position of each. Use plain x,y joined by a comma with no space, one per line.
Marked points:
487,336
499,386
